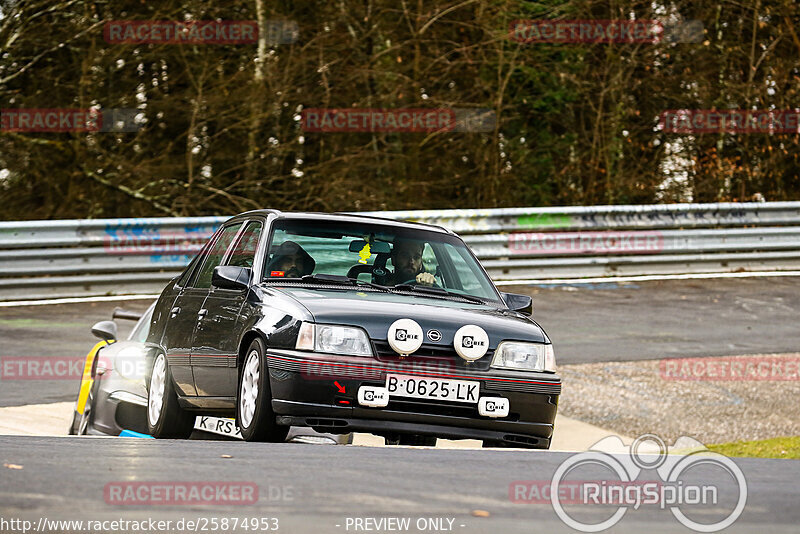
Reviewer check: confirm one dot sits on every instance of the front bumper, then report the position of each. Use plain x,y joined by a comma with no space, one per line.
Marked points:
116,410
305,393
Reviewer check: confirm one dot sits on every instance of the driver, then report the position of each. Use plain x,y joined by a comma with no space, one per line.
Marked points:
291,261
406,257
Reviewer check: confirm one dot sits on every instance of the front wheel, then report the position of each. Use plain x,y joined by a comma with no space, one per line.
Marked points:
254,402
165,417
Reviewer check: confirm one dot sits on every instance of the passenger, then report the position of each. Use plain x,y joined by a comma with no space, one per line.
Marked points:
291,261
406,258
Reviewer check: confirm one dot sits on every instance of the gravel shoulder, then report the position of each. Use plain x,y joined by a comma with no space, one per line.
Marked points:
634,398
609,322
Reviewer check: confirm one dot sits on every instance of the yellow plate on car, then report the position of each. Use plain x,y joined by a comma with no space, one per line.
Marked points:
86,379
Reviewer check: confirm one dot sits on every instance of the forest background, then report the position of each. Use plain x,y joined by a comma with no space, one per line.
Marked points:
219,127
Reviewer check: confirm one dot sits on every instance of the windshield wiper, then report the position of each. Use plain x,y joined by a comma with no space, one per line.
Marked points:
340,280
439,291
337,279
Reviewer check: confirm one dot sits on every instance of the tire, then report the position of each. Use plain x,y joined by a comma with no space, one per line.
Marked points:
254,413
166,419
412,440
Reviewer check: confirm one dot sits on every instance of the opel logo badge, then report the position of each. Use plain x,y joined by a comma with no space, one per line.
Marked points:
434,335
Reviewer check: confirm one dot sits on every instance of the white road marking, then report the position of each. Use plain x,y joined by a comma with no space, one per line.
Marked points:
74,300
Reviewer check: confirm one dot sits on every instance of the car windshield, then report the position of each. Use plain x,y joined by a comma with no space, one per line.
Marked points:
377,254
142,328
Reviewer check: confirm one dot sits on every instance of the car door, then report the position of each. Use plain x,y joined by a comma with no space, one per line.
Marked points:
216,340
182,323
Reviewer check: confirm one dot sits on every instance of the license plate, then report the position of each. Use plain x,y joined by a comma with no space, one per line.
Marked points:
432,388
223,426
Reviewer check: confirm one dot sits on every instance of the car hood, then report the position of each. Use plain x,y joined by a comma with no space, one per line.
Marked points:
376,311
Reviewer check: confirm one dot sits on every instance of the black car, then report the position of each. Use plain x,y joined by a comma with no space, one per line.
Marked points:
348,323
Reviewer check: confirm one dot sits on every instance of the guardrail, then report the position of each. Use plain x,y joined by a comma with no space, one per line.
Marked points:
40,259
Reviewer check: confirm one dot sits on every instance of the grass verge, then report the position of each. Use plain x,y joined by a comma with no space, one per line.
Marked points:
788,447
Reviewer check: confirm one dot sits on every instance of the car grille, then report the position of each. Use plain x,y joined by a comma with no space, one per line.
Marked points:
437,355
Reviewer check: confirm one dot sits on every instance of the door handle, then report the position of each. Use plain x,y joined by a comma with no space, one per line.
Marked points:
202,313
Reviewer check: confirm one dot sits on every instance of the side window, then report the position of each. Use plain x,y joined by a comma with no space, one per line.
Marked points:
215,254
244,252
187,273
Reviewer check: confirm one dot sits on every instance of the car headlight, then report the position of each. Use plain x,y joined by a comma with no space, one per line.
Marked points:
524,356
333,339
130,363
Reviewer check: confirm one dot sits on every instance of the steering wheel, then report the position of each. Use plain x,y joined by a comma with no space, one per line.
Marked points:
414,281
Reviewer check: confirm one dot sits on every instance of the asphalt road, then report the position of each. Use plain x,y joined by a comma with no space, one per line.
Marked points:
314,488
58,334
587,323
321,489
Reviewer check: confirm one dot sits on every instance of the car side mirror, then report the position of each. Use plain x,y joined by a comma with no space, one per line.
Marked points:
105,330
519,303
231,277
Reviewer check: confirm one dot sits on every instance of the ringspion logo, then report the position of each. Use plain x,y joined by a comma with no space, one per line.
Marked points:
609,476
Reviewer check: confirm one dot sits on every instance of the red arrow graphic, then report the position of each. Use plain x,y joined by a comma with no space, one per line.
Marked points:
338,385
